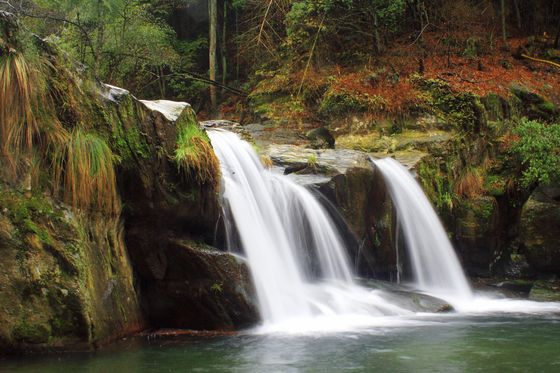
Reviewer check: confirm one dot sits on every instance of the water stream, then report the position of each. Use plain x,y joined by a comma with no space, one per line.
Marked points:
299,262
435,266
297,259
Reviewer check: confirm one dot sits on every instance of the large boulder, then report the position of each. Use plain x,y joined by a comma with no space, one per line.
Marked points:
201,288
539,230
65,280
477,233
168,213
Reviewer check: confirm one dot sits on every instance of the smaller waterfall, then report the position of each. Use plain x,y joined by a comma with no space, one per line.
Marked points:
435,266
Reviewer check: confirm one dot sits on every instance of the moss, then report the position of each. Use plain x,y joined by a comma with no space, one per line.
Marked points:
462,110
126,139
482,207
27,332
194,155
533,105
338,103
495,185
437,184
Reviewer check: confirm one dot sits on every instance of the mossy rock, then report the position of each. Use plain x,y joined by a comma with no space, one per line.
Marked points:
540,219
533,105
55,270
321,138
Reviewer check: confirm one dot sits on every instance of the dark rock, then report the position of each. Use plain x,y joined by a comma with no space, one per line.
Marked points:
477,233
408,298
202,288
321,138
539,228
534,105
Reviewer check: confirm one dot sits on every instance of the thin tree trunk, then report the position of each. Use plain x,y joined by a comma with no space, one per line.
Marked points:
224,45
100,35
503,17
376,33
237,51
213,18
557,40
518,14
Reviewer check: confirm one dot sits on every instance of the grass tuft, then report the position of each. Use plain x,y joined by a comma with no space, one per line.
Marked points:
86,169
194,154
19,101
470,184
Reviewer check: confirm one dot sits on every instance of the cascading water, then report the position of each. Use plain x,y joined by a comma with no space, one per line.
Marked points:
299,263
435,266
280,226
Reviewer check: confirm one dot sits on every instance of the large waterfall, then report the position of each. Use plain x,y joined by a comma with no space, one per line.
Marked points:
435,266
297,259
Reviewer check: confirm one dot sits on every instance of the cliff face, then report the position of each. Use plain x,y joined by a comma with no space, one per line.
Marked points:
66,280
76,274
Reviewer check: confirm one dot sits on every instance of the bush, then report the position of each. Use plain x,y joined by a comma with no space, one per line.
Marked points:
538,147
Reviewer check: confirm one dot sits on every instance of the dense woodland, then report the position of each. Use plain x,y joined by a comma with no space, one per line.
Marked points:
171,48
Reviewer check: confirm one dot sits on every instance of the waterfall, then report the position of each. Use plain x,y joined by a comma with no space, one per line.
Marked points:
435,266
296,256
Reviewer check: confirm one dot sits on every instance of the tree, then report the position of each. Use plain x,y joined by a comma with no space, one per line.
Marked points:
212,51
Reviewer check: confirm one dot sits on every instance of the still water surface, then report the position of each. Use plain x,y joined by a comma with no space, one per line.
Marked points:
424,344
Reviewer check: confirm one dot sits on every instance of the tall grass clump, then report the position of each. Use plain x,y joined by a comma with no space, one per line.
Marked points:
86,169
470,184
19,102
194,154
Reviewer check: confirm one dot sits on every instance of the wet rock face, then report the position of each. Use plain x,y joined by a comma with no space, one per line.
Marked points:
201,288
167,218
353,193
477,233
540,221
65,281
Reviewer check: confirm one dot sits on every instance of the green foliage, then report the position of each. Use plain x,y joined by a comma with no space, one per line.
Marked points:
539,149
339,19
119,39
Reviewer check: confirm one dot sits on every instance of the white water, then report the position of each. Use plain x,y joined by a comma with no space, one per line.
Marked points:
283,230
435,266
281,225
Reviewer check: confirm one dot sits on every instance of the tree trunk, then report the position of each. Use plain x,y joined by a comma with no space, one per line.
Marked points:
100,35
237,51
224,45
518,14
376,33
503,17
213,62
557,40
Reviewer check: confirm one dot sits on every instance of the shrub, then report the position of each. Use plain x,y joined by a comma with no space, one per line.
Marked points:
538,147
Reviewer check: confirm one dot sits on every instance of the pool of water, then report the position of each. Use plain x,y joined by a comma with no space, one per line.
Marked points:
450,343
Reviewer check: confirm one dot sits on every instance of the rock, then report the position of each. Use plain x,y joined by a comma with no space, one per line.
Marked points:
320,138
539,225
218,123
407,298
202,288
534,105
545,291
346,179
162,208
53,292
477,233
